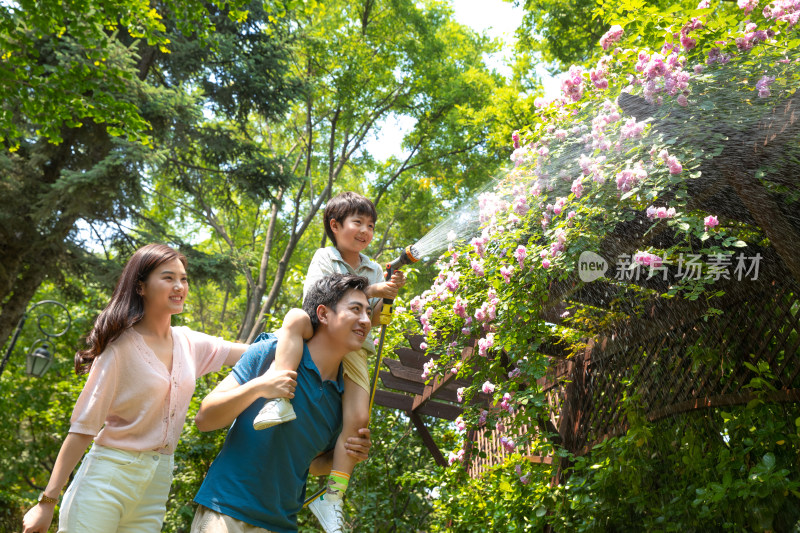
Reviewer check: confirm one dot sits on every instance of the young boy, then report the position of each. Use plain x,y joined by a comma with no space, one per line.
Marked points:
349,220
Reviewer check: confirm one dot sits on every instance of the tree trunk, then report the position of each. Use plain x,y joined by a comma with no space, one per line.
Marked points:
252,314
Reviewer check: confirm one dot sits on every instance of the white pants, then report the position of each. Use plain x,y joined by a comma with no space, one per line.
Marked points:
117,490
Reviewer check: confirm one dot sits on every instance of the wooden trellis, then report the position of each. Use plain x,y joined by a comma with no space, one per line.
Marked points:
405,389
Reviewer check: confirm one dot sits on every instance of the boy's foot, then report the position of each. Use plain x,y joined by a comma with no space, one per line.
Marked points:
329,513
275,411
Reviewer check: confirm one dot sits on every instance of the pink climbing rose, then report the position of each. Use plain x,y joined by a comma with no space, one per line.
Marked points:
520,253
484,345
572,84
674,165
460,307
613,35
456,457
710,222
506,272
763,86
660,212
488,387
647,259
577,188
747,5
478,243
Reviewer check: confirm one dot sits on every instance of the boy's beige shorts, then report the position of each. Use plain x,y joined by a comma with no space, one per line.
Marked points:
355,367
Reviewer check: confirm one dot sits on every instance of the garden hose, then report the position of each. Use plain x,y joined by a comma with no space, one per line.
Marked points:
408,256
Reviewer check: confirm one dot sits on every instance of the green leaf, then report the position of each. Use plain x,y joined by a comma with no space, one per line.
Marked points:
754,403
769,460
751,367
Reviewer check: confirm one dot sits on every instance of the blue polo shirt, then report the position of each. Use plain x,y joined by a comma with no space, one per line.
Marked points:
259,477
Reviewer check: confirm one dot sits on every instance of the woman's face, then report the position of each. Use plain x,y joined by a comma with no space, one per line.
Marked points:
166,288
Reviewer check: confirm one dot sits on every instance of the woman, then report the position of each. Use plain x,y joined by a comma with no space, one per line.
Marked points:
142,376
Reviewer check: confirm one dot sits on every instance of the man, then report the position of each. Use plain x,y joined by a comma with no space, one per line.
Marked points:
257,482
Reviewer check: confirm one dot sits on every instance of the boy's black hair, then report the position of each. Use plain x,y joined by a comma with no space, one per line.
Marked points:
342,206
329,291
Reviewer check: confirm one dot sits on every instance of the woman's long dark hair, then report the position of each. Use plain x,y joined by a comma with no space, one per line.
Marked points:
126,307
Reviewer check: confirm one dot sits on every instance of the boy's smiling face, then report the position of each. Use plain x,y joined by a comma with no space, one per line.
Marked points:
354,234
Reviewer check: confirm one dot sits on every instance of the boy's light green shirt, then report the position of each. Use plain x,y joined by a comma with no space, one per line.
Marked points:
327,261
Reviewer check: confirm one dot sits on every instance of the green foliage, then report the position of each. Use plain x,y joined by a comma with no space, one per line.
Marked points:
256,187
732,471
80,65
560,32
512,497
81,146
33,425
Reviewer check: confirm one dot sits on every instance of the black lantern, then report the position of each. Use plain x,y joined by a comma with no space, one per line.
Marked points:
40,356
39,360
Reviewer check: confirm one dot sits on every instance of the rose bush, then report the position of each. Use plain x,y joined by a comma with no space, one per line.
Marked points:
628,140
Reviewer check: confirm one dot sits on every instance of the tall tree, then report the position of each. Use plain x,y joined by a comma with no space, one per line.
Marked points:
86,95
361,62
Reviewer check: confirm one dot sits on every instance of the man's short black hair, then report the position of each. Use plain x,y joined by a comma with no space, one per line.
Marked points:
342,206
329,291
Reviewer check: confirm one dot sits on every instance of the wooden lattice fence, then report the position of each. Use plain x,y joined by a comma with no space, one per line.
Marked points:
689,362
695,363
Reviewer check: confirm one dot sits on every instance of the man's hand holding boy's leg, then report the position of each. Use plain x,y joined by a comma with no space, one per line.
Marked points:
358,447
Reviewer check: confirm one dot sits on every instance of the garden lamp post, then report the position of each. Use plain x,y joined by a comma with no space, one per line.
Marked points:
40,356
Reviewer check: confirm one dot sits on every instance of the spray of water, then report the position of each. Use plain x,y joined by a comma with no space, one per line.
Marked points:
457,227
724,124
464,222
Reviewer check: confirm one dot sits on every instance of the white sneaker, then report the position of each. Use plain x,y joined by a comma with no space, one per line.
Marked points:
275,411
329,513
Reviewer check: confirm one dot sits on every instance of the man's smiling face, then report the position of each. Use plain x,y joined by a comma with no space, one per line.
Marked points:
350,321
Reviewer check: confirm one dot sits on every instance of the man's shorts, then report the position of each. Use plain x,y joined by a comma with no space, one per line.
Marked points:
208,521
